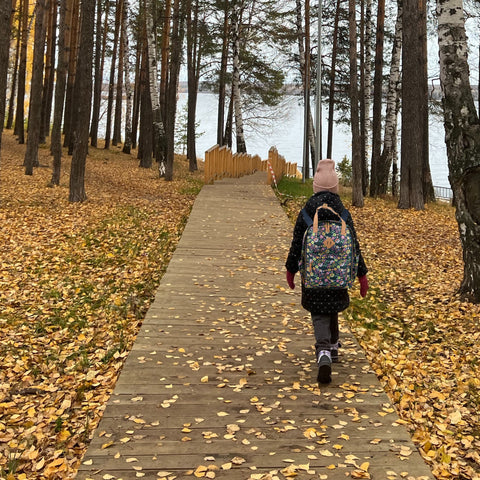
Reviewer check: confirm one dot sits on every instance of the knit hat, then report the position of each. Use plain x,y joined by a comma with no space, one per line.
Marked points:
325,178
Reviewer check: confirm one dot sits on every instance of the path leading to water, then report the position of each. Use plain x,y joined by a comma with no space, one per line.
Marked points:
221,381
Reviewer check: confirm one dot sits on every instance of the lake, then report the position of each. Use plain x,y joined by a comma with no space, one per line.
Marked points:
285,132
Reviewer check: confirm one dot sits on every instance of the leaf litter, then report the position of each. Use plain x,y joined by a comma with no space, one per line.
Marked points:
62,357
75,283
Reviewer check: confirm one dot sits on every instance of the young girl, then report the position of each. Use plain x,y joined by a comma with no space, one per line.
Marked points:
323,303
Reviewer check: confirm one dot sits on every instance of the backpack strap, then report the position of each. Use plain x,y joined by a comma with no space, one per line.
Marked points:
309,221
326,207
306,218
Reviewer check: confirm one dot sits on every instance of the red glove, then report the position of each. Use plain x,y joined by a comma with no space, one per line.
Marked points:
290,277
363,285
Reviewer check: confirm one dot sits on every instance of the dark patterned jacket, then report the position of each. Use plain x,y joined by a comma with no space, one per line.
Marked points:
322,301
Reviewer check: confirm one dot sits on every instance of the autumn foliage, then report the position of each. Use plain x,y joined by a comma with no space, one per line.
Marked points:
75,283
77,279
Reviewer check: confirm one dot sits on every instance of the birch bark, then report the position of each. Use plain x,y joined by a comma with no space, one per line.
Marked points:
389,152
462,135
158,127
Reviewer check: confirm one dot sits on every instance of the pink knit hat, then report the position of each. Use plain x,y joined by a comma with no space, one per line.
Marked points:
325,178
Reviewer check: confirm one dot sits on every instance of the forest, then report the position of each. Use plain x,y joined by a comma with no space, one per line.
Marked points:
81,78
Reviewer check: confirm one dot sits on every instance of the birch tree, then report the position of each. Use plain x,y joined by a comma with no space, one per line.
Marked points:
462,134
389,152
158,126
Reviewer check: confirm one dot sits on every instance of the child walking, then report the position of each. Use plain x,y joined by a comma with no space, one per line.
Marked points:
324,304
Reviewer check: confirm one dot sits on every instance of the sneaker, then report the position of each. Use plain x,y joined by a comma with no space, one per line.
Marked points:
324,367
334,352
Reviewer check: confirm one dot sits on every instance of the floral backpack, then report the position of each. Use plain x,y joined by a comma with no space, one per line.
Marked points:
329,259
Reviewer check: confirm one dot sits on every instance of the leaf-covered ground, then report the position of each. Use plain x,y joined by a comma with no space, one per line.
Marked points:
76,280
421,339
75,283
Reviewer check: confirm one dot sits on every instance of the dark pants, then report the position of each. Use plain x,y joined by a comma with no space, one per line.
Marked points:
325,327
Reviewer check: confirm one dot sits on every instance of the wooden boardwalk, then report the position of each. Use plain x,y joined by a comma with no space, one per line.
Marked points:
221,381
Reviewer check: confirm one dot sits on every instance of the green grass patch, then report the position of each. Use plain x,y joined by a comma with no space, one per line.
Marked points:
296,187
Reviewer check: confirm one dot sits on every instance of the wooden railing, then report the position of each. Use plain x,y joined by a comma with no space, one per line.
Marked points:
220,163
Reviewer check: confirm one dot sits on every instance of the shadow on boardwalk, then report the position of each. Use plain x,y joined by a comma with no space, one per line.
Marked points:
221,381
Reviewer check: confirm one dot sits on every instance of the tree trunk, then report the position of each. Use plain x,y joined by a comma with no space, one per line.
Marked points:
361,95
49,81
229,124
100,46
194,57
111,82
71,42
159,142
127,146
117,123
427,184
411,192
35,113
136,91
462,134
357,191
331,98
222,78
164,71
13,84
19,128
175,61
145,142
237,98
83,84
391,115
5,27
60,85
303,39
368,67
377,100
